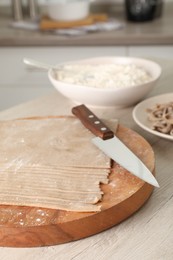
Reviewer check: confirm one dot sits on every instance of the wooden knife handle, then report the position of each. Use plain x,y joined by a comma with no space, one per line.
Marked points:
92,122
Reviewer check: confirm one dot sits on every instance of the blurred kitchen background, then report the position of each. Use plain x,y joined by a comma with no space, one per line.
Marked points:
113,32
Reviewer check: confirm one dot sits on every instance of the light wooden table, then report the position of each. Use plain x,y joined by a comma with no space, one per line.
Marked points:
148,234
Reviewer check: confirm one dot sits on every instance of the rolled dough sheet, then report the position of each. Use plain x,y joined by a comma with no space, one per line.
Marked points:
51,163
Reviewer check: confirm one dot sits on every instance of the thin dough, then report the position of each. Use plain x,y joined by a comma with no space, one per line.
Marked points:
51,163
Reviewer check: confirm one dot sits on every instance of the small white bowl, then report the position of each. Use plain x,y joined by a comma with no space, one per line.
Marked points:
140,115
109,97
68,10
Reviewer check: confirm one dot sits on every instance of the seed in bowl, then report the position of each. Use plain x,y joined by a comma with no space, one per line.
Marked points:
103,76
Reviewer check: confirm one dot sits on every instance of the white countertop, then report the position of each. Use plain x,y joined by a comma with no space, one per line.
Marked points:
148,234
156,32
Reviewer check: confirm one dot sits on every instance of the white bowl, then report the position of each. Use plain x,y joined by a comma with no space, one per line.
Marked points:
108,97
68,10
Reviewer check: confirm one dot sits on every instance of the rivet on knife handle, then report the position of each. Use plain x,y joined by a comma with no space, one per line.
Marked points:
92,122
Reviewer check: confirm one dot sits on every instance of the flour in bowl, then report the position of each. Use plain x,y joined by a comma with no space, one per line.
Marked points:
103,76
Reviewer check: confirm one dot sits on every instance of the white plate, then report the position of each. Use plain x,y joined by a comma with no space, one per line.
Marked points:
140,114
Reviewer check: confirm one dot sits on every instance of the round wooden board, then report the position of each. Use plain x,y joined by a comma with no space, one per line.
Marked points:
125,194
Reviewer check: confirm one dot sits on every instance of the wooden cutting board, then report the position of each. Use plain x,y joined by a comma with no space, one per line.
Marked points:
47,24
124,195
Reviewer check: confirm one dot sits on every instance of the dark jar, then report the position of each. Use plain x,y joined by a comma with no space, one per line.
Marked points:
143,10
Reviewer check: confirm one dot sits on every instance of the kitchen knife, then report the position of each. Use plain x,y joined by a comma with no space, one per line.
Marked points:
112,146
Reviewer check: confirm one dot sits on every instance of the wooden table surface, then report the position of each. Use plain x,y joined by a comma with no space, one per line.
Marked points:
148,234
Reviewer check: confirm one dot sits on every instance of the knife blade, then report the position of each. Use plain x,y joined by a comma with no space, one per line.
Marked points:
112,146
